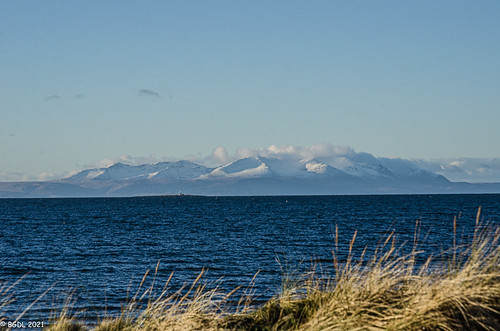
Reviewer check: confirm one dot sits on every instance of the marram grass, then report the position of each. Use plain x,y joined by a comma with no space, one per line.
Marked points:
387,291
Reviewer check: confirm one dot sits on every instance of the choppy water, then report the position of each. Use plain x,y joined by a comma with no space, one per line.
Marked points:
99,249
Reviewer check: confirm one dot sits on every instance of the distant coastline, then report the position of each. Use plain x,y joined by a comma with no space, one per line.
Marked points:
252,176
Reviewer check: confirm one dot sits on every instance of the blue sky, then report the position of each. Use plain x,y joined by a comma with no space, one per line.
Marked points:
86,81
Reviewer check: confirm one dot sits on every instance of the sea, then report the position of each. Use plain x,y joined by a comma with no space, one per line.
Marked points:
87,256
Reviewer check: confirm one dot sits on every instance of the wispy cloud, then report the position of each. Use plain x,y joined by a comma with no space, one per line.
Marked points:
44,176
22,177
53,97
13,176
129,159
149,93
124,158
465,169
297,152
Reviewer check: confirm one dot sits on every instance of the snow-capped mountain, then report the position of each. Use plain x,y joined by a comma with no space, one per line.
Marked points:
244,168
250,167
362,166
118,172
342,173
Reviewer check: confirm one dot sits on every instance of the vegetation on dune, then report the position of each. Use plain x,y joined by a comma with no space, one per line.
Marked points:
455,290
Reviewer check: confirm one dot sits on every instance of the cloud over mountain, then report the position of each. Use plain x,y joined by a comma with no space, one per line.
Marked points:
220,155
457,169
297,152
465,169
129,160
319,159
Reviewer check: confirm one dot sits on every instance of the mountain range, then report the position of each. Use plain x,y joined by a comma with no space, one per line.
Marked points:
359,173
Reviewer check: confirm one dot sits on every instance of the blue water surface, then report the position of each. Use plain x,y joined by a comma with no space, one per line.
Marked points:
96,251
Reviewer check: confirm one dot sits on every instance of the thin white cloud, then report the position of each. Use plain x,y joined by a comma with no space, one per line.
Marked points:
45,176
53,97
22,177
149,93
126,159
297,152
13,177
465,169
135,160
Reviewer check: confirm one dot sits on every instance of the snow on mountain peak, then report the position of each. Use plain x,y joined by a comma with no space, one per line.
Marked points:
94,173
182,170
247,167
120,171
362,165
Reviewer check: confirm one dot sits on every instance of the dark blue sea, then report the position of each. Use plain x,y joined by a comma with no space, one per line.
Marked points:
96,251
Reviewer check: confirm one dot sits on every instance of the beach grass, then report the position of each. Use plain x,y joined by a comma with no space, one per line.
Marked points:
454,290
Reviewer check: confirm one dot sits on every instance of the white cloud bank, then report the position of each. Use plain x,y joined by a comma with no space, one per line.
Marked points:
465,169
472,170
297,152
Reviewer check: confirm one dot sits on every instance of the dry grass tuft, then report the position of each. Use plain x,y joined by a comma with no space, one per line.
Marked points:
66,324
116,324
389,292
457,290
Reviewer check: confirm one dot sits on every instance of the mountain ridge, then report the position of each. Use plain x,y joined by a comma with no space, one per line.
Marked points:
254,175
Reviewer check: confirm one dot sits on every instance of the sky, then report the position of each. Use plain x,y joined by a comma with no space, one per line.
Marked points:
82,83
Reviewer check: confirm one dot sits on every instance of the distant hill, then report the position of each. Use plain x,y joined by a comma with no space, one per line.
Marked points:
346,174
